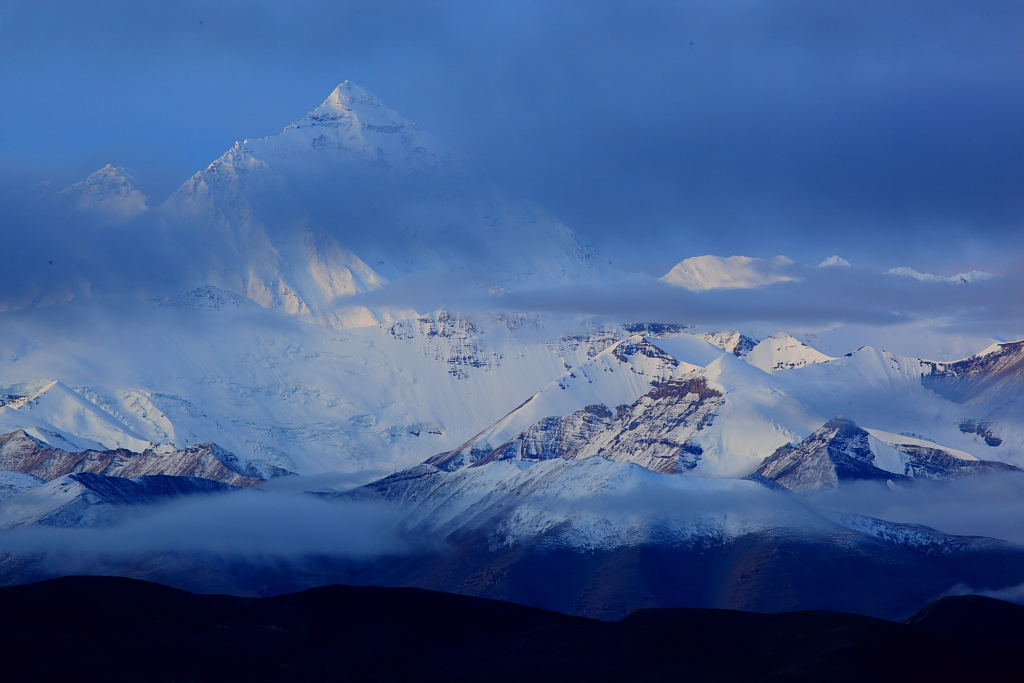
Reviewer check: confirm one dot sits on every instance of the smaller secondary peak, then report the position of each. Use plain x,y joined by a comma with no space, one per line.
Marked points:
834,262
109,174
108,195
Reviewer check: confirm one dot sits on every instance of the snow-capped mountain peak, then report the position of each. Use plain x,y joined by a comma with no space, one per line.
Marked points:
107,194
352,124
701,273
834,261
349,98
784,352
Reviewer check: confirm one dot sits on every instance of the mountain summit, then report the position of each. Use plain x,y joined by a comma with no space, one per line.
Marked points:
352,121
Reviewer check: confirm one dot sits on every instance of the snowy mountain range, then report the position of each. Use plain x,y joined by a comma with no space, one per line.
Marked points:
620,455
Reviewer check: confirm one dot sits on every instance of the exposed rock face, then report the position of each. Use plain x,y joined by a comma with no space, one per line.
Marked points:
735,343
982,428
655,329
207,298
21,453
993,377
657,431
639,346
89,499
934,463
572,408
839,451
553,437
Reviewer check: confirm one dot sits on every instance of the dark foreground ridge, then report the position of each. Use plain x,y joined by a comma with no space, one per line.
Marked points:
116,629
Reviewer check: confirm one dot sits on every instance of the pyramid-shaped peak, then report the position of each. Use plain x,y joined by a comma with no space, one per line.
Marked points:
110,169
108,194
834,261
349,99
837,452
349,117
348,93
350,123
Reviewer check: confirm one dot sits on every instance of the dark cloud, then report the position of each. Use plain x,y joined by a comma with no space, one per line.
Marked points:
887,132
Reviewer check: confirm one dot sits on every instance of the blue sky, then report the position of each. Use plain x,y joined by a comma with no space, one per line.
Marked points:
891,133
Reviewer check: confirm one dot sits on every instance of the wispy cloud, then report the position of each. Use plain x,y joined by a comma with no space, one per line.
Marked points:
822,296
990,505
245,523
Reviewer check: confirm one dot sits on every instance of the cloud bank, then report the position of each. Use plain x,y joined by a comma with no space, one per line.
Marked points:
816,296
242,523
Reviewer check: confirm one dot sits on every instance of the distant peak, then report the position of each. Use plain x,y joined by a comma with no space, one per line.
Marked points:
700,273
959,278
108,194
108,173
834,262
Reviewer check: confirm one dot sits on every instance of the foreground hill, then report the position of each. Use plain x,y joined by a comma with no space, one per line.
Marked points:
144,632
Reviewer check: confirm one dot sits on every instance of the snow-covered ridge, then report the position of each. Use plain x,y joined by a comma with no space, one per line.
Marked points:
914,536
959,278
701,273
311,399
841,451
88,499
19,452
781,351
618,375
57,415
580,504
